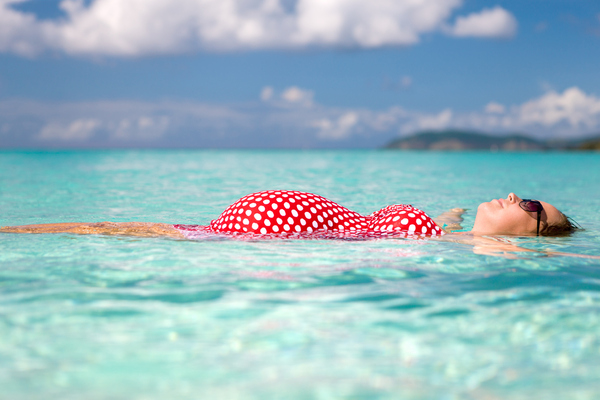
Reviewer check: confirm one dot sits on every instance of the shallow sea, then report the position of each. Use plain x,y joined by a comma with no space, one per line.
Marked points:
100,317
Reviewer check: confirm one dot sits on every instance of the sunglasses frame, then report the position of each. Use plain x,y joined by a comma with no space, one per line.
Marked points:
525,205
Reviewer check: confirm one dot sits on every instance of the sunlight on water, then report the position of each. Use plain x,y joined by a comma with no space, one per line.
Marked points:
112,317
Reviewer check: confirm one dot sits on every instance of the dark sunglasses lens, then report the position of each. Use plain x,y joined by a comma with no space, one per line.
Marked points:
531,205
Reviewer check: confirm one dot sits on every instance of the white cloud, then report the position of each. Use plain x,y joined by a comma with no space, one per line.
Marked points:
573,107
338,128
494,108
266,93
77,130
296,95
146,27
491,23
570,114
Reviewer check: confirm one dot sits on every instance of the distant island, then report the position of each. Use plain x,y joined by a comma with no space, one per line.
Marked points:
468,140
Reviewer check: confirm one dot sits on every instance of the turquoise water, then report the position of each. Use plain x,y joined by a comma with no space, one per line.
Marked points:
147,318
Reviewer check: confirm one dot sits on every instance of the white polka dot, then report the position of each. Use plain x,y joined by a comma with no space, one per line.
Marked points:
255,226
274,206
341,227
313,210
396,218
282,212
390,227
252,205
263,230
402,212
286,227
388,219
266,201
270,214
335,220
329,223
292,200
307,215
411,215
419,222
261,208
294,213
298,229
309,229
245,203
320,218
245,229
305,203
248,212
290,220
239,219
286,204
299,207
246,222
279,221
275,228
404,221
279,199
319,206
412,228
237,226
429,224
257,216
315,224
267,222
424,229
230,225
302,221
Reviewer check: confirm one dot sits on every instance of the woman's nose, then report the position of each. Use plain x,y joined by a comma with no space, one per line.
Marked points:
512,197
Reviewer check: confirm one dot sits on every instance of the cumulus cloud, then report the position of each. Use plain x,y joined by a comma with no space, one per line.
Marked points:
494,108
147,27
298,96
275,123
292,96
77,130
493,23
337,128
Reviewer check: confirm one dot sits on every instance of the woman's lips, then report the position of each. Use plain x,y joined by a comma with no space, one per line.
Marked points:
500,202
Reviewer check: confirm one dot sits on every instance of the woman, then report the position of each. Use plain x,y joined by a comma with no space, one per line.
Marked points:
279,213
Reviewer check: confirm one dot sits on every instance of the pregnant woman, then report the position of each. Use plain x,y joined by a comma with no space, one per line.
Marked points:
293,214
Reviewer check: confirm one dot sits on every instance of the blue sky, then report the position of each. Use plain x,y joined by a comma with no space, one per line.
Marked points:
293,73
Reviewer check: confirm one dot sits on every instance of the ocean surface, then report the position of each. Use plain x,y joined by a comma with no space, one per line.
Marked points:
105,317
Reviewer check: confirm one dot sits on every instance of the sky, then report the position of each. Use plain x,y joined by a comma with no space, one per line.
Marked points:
293,73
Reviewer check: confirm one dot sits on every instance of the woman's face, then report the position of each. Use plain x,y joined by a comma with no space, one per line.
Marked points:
506,217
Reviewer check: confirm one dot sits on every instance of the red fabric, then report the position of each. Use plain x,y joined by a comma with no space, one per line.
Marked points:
284,213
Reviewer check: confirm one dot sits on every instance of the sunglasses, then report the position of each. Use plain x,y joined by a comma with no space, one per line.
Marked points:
533,206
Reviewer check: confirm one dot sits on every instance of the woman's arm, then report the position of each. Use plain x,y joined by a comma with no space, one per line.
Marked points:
497,247
452,219
143,229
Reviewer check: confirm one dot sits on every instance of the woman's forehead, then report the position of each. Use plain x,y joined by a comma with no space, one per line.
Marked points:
552,213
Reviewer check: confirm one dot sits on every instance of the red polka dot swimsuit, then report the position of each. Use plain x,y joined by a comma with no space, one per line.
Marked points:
285,213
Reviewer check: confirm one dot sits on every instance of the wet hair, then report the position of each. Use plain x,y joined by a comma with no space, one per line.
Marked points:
565,227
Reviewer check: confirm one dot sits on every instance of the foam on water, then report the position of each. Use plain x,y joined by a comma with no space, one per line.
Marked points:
112,317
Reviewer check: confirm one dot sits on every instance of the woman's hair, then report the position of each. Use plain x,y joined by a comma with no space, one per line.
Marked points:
565,227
